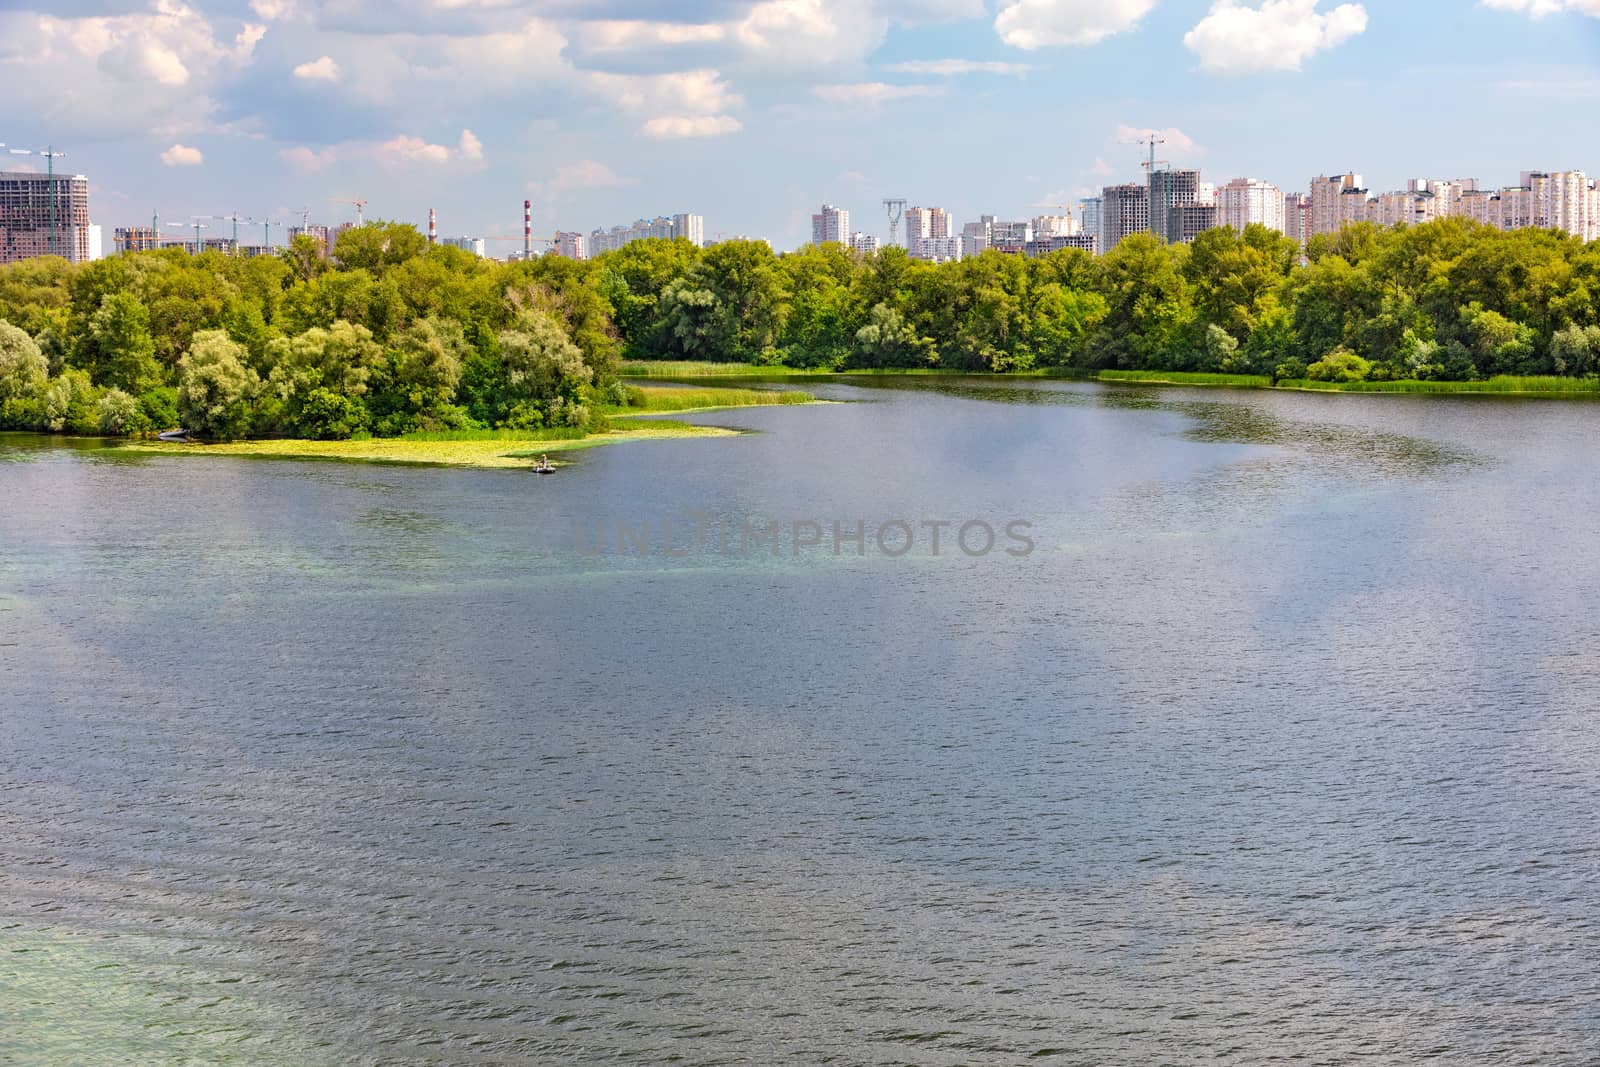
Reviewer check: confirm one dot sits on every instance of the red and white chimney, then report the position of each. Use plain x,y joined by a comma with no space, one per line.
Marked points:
527,229
433,227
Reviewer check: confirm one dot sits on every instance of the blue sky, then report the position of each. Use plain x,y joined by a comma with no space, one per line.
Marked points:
752,112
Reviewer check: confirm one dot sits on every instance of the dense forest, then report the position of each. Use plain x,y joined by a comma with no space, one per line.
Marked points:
387,335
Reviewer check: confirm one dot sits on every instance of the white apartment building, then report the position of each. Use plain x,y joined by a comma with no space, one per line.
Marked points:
1334,202
865,243
1409,208
830,224
570,245
1244,201
475,245
937,249
927,222
1054,226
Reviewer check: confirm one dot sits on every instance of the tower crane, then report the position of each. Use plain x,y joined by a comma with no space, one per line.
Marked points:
359,202
197,226
50,156
1157,226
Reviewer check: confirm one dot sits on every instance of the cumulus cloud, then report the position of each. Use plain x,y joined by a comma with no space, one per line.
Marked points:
1236,38
153,70
789,34
469,147
307,160
581,174
870,94
670,126
1033,24
619,35
181,155
408,149
322,69
947,67
1540,8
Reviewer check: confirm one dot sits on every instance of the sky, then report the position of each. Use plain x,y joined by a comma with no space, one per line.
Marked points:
752,113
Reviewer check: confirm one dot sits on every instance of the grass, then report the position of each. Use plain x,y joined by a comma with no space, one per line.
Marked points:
643,368
660,399
1504,385
489,449
1170,377
499,449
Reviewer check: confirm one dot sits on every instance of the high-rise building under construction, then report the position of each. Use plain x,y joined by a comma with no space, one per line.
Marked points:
43,215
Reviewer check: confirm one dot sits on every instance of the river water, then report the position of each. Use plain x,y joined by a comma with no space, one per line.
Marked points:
1280,745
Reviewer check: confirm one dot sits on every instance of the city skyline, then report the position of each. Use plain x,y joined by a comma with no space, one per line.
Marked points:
767,109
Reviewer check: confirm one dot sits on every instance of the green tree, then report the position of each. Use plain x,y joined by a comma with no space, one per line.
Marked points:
378,246
119,346
543,373
215,387
23,374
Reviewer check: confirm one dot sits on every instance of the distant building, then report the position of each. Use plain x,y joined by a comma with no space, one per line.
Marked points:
44,216
134,239
1089,219
320,234
975,236
927,222
1169,190
938,249
96,242
1010,237
1297,216
571,245
831,224
1336,202
1124,211
1054,225
1246,201
1043,245
475,245
691,228
865,243
1188,221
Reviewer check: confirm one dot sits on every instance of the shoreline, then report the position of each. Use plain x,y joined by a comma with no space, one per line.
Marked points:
1532,387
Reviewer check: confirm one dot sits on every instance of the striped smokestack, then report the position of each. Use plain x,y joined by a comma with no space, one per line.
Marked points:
527,229
433,227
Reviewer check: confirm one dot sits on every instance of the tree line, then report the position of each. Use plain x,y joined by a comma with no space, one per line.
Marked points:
386,334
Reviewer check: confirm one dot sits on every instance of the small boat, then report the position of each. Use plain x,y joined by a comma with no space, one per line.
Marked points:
543,466
544,470
173,435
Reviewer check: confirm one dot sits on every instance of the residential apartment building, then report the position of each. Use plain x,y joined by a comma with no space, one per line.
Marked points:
42,215
864,243
571,245
830,224
975,236
938,249
690,227
475,245
1336,202
1044,244
1089,219
1297,216
135,239
1054,225
1124,211
1248,201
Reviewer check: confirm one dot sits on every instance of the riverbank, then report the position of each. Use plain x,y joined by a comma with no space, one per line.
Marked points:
508,449
1502,385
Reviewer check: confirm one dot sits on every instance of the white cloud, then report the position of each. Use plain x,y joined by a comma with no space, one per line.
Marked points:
617,35
1278,35
1055,23
408,149
870,94
180,155
789,34
946,67
272,10
670,126
469,147
1540,8
583,174
323,69
1176,140
306,160
153,70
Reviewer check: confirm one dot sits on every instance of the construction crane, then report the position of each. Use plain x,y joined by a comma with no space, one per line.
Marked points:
1157,226
266,230
359,202
1065,209
197,225
234,218
896,208
50,156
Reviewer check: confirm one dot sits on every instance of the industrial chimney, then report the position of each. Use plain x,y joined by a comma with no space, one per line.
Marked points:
527,229
433,227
